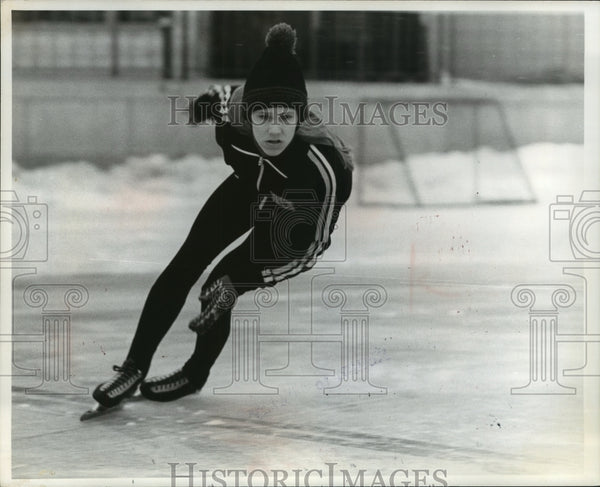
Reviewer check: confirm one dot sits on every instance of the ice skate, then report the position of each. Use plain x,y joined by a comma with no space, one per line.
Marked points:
169,387
123,384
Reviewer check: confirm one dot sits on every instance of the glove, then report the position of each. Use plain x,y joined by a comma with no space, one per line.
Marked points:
218,298
212,104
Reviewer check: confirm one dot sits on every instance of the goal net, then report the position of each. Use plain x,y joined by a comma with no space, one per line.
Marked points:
450,150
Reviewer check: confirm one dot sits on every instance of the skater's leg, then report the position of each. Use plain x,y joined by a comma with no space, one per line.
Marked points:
224,217
239,271
245,276
192,376
258,261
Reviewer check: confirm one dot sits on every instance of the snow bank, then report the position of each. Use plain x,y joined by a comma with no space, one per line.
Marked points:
133,217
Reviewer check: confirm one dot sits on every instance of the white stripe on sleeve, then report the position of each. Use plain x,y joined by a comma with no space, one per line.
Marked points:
322,228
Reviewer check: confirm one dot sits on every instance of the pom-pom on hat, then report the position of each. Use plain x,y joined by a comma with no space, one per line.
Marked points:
276,78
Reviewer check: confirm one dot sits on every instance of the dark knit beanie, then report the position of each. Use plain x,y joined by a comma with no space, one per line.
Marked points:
276,78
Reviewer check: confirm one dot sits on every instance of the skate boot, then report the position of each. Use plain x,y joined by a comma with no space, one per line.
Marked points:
170,387
122,385
219,298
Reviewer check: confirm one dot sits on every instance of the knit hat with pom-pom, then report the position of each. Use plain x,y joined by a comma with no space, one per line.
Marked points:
276,78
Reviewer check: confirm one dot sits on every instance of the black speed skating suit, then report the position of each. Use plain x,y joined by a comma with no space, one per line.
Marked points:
289,204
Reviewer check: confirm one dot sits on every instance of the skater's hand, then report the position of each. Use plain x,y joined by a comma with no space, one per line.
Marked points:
219,298
207,293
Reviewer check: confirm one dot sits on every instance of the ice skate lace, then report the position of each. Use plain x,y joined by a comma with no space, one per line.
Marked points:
161,378
125,373
169,382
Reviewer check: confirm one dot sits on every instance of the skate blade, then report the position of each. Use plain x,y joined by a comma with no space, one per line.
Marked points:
101,410
98,411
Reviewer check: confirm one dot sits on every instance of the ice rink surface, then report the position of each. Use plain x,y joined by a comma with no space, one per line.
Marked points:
448,343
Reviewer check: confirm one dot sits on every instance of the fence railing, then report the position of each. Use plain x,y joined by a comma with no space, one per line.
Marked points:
65,46
348,45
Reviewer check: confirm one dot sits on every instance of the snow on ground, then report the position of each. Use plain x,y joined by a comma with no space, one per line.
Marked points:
448,344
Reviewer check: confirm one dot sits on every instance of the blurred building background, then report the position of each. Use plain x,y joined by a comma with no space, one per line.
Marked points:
94,85
359,46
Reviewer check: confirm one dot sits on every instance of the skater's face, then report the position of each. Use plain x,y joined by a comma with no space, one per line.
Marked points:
274,128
